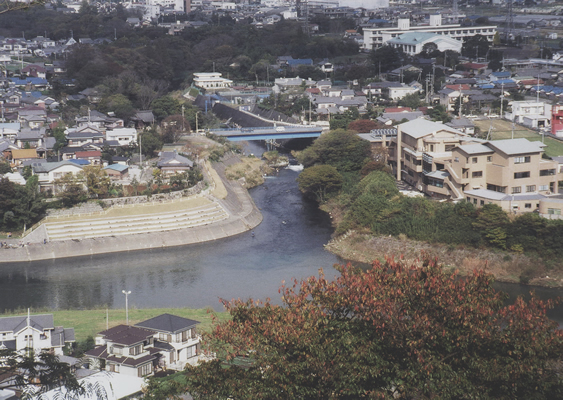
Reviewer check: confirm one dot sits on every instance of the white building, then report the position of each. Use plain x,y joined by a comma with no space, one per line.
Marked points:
413,42
397,93
530,113
377,37
125,136
36,332
177,5
48,172
211,80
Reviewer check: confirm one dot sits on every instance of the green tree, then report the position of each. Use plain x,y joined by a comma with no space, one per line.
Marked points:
118,104
70,189
386,58
320,181
150,142
396,330
411,100
344,150
98,182
165,106
492,221
475,46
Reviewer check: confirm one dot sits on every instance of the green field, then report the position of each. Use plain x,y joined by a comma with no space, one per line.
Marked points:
89,322
503,130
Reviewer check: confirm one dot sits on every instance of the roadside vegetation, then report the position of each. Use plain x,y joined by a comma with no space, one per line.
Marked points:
361,196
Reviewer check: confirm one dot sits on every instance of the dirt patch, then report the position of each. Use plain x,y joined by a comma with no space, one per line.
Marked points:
249,171
506,267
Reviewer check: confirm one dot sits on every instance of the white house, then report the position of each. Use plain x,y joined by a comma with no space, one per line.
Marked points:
211,80
37,332
530,113
48,172
397,93
125,136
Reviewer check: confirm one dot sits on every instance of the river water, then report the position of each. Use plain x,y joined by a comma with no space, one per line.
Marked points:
287,244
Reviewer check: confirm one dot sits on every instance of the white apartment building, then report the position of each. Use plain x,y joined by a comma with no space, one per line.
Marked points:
211,80
377,37
177,5
125,136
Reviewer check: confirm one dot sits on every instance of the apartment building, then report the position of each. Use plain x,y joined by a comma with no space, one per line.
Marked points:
377,37
446,163
534,114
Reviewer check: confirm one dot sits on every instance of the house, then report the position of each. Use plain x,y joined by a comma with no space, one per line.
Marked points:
19,156
125,136
464,125
37,332
94,157
49,172
117,171
84,135
126,350
530,113
171,163
36,71
177,339
163,342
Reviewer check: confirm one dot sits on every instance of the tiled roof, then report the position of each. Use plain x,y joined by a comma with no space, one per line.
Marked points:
168,323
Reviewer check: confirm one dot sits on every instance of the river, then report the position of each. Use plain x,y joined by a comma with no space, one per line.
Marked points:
287,244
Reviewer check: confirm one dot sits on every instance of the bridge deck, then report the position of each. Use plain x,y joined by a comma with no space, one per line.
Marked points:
265,133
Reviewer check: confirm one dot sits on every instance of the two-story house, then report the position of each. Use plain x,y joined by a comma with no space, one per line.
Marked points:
124,136
165,341
126,350
176,338
49,172
34,332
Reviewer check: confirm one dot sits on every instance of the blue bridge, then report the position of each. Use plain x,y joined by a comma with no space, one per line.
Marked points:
268,133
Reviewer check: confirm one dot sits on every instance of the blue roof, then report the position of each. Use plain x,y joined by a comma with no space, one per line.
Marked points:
80,161
32,80
117,167
505,81
300,61
486,86
502,74
378,21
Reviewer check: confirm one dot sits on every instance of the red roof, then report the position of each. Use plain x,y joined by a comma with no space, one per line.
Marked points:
458,87
530,82
313,90
86,154
474,65
398,109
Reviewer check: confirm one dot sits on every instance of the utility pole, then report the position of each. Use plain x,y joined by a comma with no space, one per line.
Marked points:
460,99
501,98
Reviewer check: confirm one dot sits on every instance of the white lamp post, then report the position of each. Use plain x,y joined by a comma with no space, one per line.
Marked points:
126,293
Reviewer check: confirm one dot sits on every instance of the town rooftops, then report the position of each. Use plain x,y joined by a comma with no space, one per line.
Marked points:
168,323
493,195
172,159
45,167
18,154
516,146
117,167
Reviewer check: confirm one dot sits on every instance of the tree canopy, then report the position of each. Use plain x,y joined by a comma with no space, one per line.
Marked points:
396,330
344,150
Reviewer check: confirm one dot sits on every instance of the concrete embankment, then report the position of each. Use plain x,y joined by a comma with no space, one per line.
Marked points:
243,216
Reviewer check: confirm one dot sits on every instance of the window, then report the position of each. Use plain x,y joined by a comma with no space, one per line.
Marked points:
544,188
482,202
456,159
489,158
554,211
450,147
474,201
431,147
135,351
117,350
530,188
528,205
495,188
520,175
144,370
407,157
521,160
468,199
477,174
547,172
516,189
474,160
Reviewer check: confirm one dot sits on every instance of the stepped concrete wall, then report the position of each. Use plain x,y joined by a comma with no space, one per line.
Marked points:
243,216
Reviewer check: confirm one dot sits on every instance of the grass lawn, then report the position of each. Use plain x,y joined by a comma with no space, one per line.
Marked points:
90,322
503,130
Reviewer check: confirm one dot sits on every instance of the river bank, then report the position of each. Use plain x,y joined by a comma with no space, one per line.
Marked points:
506,267
243,215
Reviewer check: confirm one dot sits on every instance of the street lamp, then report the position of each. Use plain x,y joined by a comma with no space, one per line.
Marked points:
126,293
